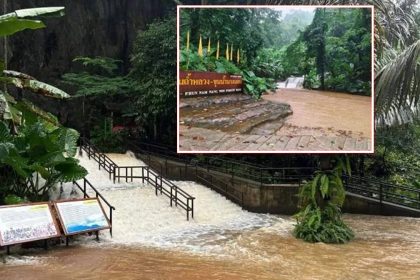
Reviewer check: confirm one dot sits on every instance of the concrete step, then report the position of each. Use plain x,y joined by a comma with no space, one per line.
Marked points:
244,116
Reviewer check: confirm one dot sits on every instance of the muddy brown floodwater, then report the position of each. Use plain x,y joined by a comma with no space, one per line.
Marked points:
385,248
326,110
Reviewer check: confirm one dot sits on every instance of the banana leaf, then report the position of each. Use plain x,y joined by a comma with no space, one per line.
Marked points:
24,81
26,19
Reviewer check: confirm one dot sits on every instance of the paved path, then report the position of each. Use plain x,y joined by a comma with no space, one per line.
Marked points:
316,121
202,139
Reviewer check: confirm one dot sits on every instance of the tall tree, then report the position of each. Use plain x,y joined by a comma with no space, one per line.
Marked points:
314,36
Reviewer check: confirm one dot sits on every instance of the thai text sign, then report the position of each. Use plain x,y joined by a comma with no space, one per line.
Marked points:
24,223
84,215
193,83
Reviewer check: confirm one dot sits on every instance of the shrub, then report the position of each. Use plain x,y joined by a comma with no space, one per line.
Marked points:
320,199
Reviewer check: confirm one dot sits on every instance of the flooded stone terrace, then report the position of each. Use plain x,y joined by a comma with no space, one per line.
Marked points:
288,120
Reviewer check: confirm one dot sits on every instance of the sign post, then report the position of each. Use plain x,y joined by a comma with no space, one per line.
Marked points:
193,83
83,215
26,223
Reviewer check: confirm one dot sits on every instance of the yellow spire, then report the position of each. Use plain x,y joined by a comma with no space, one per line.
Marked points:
208,48
188,40
227,51
231,52
200,47
217,52
237,56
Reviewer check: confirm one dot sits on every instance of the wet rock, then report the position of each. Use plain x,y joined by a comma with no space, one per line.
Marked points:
234,113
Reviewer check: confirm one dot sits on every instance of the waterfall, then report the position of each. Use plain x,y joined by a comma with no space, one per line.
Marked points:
292,82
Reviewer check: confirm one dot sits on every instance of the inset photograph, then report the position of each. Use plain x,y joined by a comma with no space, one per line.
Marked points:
275,79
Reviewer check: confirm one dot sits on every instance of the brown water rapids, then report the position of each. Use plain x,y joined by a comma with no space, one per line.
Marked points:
384,248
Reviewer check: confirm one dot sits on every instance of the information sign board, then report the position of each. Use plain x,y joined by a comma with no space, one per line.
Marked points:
25,223
84,215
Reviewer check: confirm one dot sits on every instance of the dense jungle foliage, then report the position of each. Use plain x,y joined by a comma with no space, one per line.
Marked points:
36,152
330,47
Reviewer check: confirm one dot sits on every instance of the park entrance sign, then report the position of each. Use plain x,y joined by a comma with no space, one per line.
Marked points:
85,215
25,223
193,83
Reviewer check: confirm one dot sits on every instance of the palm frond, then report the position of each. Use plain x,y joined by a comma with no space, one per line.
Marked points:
397,85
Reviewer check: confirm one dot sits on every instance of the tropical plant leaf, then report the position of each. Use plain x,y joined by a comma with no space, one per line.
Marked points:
12,25
42,170
51,159
4,150
24,81
398,84
43,12
26,19
4,133
324,185
18,163
32,113
70,170
314,186
68,140
5,113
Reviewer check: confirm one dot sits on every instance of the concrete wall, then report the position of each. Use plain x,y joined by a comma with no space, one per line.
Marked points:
264,198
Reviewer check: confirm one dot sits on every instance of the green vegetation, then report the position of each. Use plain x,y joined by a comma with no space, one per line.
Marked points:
108,140
331,47
35,152
145,94
100,76
235,31
396,156
320,201
332,50
153,70
35,160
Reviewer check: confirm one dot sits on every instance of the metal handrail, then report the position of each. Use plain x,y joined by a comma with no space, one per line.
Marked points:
117,173
259,173
114,171
383,191
97,195
402,195
159,183
102,159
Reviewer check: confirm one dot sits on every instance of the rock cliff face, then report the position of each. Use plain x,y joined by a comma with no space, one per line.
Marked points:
89,28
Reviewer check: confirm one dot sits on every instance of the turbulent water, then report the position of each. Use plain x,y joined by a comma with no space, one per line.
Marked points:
292,82
154,241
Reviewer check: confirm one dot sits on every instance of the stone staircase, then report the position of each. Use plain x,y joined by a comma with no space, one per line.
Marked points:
237,114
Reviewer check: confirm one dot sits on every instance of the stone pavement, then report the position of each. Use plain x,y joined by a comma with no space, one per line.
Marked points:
202,139
238,123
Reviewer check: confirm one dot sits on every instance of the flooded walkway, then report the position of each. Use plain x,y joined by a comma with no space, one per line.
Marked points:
384,248
289,120
154,241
